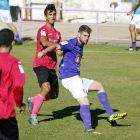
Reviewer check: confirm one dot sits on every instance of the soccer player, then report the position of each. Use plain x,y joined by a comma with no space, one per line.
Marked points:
12,79
134,23
46,66
5,16
70,74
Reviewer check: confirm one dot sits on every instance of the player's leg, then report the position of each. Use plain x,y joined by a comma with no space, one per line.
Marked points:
14,29
97,86
77,89
38,101
133,34
6,17
53,79
9,129
35,102
138,23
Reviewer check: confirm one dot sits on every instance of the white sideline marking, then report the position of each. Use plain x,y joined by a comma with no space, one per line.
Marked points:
94,51
112,52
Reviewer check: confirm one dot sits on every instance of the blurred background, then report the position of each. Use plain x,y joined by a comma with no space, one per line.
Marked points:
74,16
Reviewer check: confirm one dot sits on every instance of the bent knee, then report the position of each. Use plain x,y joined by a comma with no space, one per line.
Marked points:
100,87
138,31
45,88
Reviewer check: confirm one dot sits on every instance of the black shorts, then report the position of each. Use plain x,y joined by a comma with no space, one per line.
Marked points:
9,129
46,75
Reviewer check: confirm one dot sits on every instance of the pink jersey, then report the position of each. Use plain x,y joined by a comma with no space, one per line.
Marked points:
49,60
12,79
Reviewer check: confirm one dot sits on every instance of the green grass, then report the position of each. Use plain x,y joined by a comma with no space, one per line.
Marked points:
116,68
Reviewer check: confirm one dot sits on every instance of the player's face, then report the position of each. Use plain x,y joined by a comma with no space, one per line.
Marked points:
83,37
51,16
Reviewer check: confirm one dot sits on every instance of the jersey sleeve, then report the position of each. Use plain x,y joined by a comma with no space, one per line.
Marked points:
60,38
42,33
66,45
18,77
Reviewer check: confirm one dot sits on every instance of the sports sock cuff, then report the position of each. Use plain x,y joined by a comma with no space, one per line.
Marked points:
133,44
39,95
17,36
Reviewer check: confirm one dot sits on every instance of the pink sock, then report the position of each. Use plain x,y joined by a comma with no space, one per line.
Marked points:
33,99
37,104
47,97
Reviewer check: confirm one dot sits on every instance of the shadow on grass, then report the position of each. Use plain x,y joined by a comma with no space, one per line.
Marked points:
69,111
27,39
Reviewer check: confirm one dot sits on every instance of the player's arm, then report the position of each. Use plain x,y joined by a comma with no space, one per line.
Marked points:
60,52
18,76
45,43
49,49
134,7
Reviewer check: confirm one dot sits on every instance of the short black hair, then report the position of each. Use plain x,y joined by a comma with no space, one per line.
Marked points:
50,7
6,37
84,28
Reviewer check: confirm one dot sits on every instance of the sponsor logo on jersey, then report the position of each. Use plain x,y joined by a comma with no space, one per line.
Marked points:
78,58
57,36
50,34
52,40
43,33
64,42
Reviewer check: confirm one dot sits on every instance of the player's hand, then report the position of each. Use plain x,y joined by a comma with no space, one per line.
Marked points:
40,54
22,108
129,13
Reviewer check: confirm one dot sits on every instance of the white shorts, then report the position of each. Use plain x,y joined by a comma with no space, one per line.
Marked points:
136,21
77,86
5,16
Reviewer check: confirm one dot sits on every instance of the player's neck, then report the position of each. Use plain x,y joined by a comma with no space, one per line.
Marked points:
79,41
4,49
51,26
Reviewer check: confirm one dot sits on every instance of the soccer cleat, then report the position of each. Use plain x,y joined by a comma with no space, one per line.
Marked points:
116,116
17,43
91,131
132,49
33,120
30,104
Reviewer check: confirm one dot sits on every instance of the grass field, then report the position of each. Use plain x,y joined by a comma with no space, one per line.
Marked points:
116,68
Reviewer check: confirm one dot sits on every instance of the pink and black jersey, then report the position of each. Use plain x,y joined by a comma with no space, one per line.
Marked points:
49,60
12,79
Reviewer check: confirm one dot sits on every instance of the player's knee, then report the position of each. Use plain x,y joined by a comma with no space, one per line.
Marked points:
131,28
45,89
101,87
138,31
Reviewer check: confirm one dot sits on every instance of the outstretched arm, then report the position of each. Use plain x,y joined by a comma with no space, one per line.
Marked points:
134,7
49,49
46,43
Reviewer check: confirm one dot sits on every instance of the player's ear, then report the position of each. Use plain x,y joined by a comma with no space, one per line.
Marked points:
45,17
79,34
12,43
